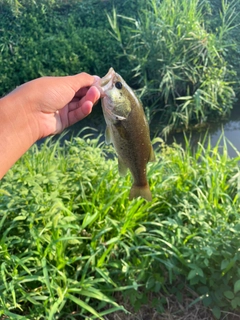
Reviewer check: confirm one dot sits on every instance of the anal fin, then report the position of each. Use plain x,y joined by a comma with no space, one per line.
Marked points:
122,169
108,138
152,157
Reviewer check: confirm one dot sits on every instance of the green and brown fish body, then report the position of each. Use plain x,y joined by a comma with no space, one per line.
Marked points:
128,130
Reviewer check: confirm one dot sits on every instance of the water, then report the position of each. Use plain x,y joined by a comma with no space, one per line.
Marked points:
230,129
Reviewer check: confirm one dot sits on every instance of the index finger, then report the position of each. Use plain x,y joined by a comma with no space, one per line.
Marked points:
80,80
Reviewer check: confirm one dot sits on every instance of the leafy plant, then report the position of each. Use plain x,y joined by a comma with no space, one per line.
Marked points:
70,239
53,38
178,64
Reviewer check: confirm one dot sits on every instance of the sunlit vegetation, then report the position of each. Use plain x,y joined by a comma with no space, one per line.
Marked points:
70,239
72,246
179,64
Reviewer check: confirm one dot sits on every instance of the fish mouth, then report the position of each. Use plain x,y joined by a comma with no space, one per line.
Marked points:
105,83
108,77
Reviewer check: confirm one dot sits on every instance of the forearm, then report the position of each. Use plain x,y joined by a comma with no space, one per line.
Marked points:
16,130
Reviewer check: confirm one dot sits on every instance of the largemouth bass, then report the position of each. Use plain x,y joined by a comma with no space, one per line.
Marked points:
128,130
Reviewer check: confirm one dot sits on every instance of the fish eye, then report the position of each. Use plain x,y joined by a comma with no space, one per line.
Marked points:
118,85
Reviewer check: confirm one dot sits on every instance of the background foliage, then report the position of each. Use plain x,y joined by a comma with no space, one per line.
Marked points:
55,38
179,64
182,58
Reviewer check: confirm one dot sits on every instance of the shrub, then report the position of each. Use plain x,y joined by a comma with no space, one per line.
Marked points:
223,18
179,65
53,38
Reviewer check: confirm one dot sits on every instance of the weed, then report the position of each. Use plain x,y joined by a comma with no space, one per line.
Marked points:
70,239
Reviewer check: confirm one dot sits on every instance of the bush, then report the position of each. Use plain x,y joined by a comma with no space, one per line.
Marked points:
179,65
223,18
56,38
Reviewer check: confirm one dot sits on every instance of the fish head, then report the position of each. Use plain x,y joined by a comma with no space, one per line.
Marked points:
116,96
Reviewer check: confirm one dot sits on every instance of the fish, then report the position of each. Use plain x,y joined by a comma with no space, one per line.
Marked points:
128,130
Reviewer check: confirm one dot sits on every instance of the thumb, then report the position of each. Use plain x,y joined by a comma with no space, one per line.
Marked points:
80,80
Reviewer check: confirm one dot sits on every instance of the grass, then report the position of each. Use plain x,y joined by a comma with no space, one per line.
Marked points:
72,246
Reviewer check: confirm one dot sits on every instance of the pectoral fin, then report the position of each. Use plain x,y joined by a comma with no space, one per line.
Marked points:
122,169
108,138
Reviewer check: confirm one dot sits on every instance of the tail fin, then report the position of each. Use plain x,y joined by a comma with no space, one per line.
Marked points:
140,191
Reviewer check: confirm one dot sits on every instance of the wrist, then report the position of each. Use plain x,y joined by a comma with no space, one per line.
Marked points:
20,117
17,132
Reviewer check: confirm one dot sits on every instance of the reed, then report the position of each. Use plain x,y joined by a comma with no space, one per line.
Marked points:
179,64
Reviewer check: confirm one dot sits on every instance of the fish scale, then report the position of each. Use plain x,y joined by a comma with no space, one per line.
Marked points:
128,130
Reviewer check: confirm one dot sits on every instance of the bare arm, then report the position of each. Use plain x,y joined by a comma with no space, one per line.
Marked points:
40,108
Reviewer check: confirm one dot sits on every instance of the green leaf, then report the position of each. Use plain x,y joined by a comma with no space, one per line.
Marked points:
216,312
89,218
191,274
19,218
95,293
2,191
224,264
195,272
111,310
84,305
207,300
46,276
235,302
237,286
105,275
229,294
140,230
150,283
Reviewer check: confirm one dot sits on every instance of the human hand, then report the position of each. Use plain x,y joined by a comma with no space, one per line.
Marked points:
53,103
40,108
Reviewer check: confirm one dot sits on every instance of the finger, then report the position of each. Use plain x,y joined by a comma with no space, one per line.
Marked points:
80,80
84,106
92,95
74,104
80,113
